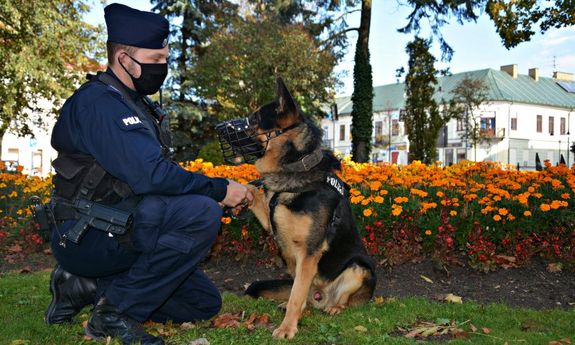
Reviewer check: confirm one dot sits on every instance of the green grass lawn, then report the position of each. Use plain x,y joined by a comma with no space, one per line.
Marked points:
24,297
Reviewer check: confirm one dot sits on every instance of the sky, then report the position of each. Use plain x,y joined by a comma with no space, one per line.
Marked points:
477,45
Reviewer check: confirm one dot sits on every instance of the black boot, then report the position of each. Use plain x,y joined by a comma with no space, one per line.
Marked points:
107,320
70,294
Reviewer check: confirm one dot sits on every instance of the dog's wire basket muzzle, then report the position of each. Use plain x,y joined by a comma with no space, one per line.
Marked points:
238,141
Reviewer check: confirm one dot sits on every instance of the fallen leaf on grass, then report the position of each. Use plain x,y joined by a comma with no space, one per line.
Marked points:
360,328
451,298
165,329
187,325
199,341
227,320
379,300
20,342
426,329
426,279
485,330
472,328
563,341
233,320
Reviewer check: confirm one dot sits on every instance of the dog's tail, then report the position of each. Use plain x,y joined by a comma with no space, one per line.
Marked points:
272,289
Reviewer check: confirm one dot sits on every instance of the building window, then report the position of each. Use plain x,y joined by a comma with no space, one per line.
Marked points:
460,125
539,123
514,123
378,132
378,128
394,128
551,125
341,132
562,126
487,126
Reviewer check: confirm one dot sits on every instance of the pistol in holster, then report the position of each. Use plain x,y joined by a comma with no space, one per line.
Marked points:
42,213
100,217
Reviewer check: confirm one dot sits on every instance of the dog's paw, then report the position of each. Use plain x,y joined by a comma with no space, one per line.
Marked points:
285,331
334,309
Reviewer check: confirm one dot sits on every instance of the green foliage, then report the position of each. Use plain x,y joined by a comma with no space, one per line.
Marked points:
200,19
423,120
43,49
211,152
515,20
362,111
323,19
237,72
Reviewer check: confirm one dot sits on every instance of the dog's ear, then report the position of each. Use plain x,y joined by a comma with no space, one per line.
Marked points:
287,110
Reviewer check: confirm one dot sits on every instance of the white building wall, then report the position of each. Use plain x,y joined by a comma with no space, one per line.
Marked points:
519,146
35,155
509,146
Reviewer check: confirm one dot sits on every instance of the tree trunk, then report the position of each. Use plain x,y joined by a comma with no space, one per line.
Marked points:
362,98
3,130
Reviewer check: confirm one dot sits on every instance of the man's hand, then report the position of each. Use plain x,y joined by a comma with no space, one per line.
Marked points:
237,195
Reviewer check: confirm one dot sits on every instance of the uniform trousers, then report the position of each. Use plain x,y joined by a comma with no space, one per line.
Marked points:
157,278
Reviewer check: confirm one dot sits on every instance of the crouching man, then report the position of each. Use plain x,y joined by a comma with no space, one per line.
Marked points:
129,225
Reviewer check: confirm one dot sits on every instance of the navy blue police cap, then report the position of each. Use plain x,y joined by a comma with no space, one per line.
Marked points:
136,28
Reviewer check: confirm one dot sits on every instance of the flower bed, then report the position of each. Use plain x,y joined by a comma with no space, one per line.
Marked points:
493,215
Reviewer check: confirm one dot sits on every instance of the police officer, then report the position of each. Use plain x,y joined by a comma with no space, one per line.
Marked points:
113,149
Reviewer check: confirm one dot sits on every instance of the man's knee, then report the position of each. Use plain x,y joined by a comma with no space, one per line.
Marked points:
211,309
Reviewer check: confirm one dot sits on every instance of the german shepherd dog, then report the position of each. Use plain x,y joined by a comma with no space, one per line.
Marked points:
305,207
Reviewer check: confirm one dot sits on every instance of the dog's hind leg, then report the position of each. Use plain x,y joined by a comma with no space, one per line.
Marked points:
278,290
350,289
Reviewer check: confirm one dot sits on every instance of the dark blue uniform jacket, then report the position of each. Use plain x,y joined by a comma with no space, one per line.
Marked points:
96,121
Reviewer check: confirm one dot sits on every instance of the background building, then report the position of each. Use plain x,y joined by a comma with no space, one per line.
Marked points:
523,115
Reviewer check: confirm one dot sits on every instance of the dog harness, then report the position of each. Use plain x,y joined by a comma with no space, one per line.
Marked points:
332,181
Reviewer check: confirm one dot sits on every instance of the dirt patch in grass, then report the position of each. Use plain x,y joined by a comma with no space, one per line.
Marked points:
529,286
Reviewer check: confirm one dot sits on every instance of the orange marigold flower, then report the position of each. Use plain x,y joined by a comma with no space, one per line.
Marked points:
531,189
453,213
378,199
400,199
545,207
396,210
428,232
510,217
375,185
383,192
503,211
555,204
527,213
226,220
418,192
496,217
565,196
367,212
440,194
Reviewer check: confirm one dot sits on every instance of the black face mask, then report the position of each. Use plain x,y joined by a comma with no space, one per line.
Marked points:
151,78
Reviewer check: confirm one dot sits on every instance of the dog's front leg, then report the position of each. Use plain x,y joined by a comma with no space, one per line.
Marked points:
259,207
305,271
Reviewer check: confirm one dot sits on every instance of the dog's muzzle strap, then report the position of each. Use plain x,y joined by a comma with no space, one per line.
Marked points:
306,163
